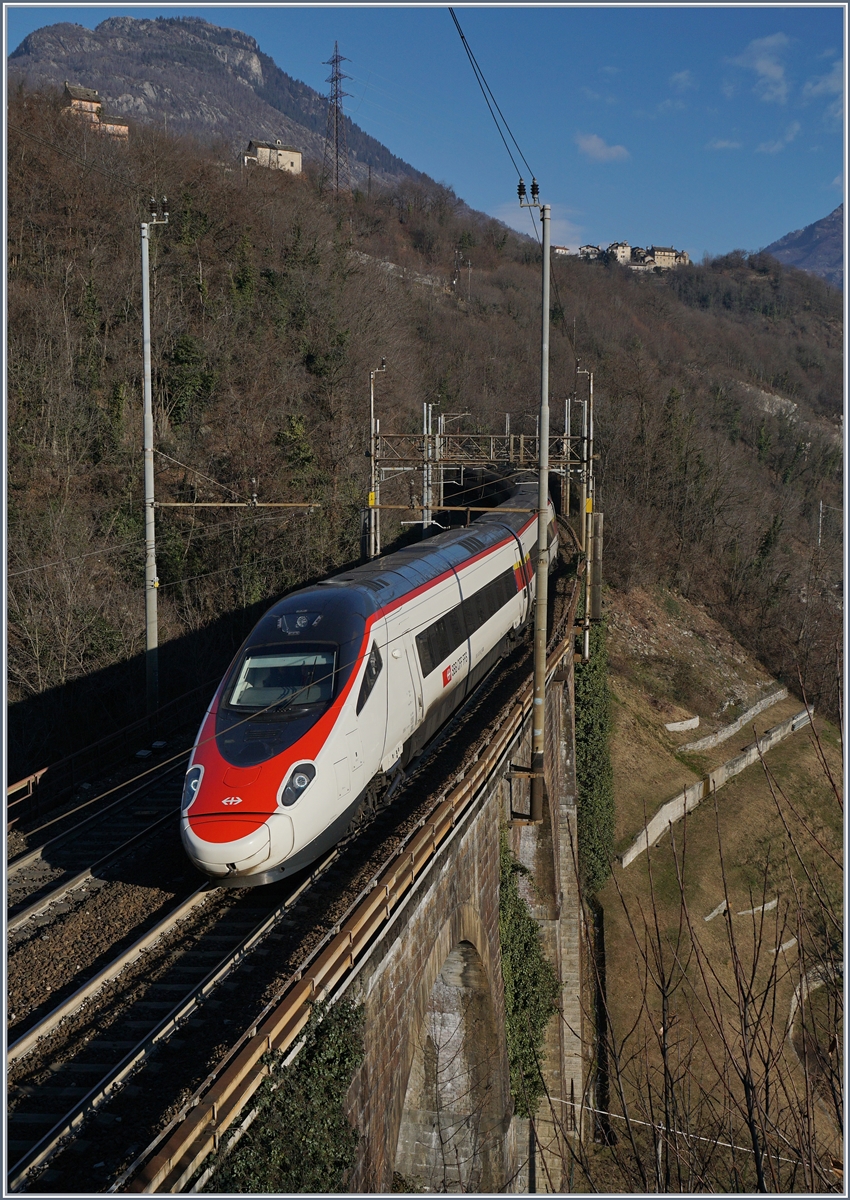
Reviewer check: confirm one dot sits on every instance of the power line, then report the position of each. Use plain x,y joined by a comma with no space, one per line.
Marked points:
488,95
63,562
198,531
88,166
208,478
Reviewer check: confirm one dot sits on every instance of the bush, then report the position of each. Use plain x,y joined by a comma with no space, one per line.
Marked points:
300,1140
594,773
531,986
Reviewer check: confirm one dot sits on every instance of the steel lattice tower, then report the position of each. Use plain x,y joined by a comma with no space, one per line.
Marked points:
335,164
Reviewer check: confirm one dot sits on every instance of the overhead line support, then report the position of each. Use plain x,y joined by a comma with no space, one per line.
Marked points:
541,598
151,580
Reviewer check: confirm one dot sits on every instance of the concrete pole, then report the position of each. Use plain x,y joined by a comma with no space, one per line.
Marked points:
587,534
426,469
538,722
372,472
377,495
584,476
565,495
151,581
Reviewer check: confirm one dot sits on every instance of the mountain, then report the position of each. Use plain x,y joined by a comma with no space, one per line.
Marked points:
197,78
819,248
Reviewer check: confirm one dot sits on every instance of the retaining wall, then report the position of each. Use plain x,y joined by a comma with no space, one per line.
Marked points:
714,739
693,795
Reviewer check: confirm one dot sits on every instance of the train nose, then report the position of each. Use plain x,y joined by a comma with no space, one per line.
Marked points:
246,847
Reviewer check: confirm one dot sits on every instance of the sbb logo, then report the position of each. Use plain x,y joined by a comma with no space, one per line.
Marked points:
450,671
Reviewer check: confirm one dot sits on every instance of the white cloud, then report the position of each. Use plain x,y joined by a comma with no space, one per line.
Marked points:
595,148
827,85
683,81
838,182
764,56
831,85
780,143
723,144
597,97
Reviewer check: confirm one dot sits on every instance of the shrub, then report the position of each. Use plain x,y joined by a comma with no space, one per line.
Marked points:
300,1140
531,986
594,773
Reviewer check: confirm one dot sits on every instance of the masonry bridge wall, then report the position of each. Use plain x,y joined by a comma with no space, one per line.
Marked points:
432,1096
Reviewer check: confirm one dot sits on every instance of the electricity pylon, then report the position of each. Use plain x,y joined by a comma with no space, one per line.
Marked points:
335,165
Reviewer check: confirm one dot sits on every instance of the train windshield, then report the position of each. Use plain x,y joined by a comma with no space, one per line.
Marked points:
285,680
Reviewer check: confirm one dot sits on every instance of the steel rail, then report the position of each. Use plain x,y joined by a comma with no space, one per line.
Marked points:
171,1160
111,1082
15,921
149,779
75,1001
68,765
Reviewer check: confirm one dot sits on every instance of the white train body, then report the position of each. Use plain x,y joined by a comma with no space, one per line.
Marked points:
340,682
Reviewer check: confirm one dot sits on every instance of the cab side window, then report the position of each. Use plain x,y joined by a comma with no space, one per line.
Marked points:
373,670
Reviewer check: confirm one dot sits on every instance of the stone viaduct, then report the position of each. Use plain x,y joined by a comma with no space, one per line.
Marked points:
432,1097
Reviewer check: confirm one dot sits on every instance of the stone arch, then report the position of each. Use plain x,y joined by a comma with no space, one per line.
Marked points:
456,1108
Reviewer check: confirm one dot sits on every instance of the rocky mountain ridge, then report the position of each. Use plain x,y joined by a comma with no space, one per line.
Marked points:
196,78
818,248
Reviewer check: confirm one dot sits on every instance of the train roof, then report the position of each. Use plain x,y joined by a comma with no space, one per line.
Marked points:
395,575
363,591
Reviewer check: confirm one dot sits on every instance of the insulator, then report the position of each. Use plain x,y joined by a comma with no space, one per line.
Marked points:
535,190
165,207
153,208
520,190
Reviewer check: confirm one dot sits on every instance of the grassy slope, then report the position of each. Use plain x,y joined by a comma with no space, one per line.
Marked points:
655,636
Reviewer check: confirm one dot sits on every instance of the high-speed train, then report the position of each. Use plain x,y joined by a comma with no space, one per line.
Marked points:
346,680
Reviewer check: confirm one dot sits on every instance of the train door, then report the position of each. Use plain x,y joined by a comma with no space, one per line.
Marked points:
415,702
401,695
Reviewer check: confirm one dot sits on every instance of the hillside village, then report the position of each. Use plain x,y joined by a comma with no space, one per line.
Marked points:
636,258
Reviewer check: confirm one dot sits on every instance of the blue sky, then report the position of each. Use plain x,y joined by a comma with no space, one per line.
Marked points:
707,128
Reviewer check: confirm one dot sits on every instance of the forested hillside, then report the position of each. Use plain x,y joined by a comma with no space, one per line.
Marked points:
718,402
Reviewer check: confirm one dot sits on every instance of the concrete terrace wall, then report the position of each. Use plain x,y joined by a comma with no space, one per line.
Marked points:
693,795
714,739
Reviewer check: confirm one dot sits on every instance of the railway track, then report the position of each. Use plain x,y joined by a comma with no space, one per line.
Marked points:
41,880
105,1071
77,1057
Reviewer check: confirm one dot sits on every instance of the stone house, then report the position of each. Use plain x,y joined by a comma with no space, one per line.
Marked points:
665,256
590,252
642,260
86,103
273,155
621,252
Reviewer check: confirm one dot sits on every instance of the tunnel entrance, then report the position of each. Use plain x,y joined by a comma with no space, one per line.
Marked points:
451,1136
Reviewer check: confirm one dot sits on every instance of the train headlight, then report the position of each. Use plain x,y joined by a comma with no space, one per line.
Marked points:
299,781
190,786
